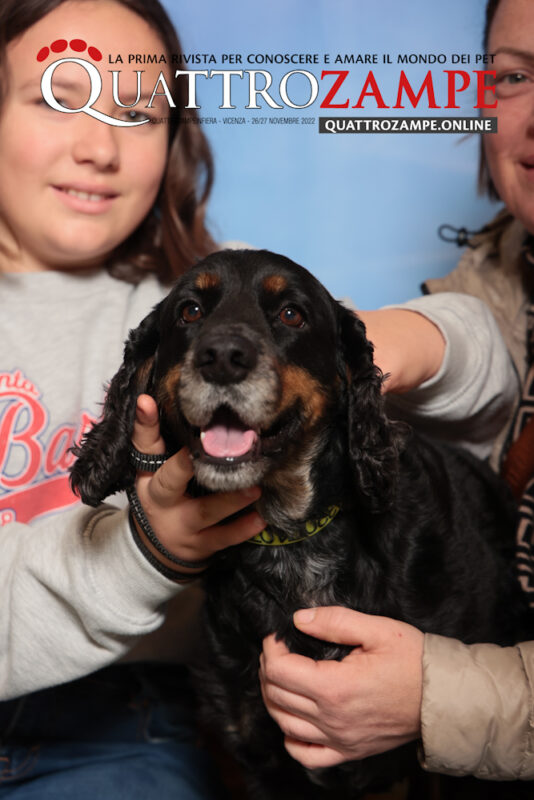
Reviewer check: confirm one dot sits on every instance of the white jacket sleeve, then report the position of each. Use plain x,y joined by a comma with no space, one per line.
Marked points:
76,595
472,396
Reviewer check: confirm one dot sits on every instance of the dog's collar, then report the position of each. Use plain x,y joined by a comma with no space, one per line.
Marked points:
274,538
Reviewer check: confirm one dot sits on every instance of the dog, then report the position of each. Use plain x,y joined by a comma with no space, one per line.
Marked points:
269,381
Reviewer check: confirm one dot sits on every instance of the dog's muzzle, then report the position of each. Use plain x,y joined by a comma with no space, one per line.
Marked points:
229,392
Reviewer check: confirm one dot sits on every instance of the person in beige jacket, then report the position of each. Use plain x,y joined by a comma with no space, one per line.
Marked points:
472,705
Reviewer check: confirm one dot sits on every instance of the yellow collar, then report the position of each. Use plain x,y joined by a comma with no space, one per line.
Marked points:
272,538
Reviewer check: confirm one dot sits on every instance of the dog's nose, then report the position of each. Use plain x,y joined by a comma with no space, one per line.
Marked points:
226,358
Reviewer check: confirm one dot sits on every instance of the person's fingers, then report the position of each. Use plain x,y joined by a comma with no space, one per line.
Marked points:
146,435
290,671
313,756
170,481
344,626
200,544
273,649
202,513
236,532
296,728
276,697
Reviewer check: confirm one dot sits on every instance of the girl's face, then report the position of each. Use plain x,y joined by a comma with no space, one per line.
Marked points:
73,187
510,152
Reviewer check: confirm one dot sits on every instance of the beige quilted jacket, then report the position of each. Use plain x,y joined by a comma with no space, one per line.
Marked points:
478,700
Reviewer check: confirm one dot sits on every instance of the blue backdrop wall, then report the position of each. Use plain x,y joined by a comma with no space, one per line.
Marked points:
360,211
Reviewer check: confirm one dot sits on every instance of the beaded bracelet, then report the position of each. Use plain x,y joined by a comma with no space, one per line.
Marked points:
146,462
140,517
171,574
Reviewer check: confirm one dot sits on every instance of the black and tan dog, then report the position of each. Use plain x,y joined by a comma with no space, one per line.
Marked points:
269,381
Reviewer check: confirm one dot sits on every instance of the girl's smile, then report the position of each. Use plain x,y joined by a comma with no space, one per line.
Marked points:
86,198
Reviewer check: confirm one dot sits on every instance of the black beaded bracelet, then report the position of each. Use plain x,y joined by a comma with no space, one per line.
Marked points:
146,462
139,515
171,574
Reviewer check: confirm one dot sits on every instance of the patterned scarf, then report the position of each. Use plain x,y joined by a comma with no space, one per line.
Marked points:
518,467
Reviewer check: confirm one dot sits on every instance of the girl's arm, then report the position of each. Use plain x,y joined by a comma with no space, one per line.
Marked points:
77,592
450,373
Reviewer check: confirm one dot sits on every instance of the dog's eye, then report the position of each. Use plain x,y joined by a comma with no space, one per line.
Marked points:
292,317
191,312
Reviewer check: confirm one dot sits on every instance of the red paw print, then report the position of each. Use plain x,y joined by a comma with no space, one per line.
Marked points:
78,45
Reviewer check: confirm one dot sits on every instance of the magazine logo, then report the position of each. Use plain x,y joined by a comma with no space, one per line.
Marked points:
341,88
260,82
96,90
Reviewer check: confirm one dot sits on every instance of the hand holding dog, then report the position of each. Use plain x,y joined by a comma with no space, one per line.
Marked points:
186,526
335,711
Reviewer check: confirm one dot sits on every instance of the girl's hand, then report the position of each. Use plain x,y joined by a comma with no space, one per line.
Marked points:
335,711
186,526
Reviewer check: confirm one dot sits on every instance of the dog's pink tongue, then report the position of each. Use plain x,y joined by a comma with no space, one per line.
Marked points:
220,441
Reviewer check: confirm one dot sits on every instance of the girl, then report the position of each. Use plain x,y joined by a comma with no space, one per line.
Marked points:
95,219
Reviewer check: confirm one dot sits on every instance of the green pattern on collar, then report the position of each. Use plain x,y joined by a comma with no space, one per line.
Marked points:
271,538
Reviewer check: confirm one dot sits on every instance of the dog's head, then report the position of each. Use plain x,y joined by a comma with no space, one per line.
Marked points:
253,365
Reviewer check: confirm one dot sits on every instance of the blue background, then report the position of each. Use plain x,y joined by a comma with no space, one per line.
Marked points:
360,211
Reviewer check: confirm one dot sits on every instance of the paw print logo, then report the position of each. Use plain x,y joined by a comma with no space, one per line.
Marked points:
78,45
81,50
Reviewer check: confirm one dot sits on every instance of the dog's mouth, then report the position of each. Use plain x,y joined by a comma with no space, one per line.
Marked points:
227,440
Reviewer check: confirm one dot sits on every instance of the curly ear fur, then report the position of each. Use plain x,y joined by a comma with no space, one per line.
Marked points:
373,440
102,466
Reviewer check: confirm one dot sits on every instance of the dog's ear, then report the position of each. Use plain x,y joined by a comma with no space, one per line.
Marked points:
372,438
102,466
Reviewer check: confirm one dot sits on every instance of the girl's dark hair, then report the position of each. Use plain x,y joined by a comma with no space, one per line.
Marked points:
174,234
485,182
